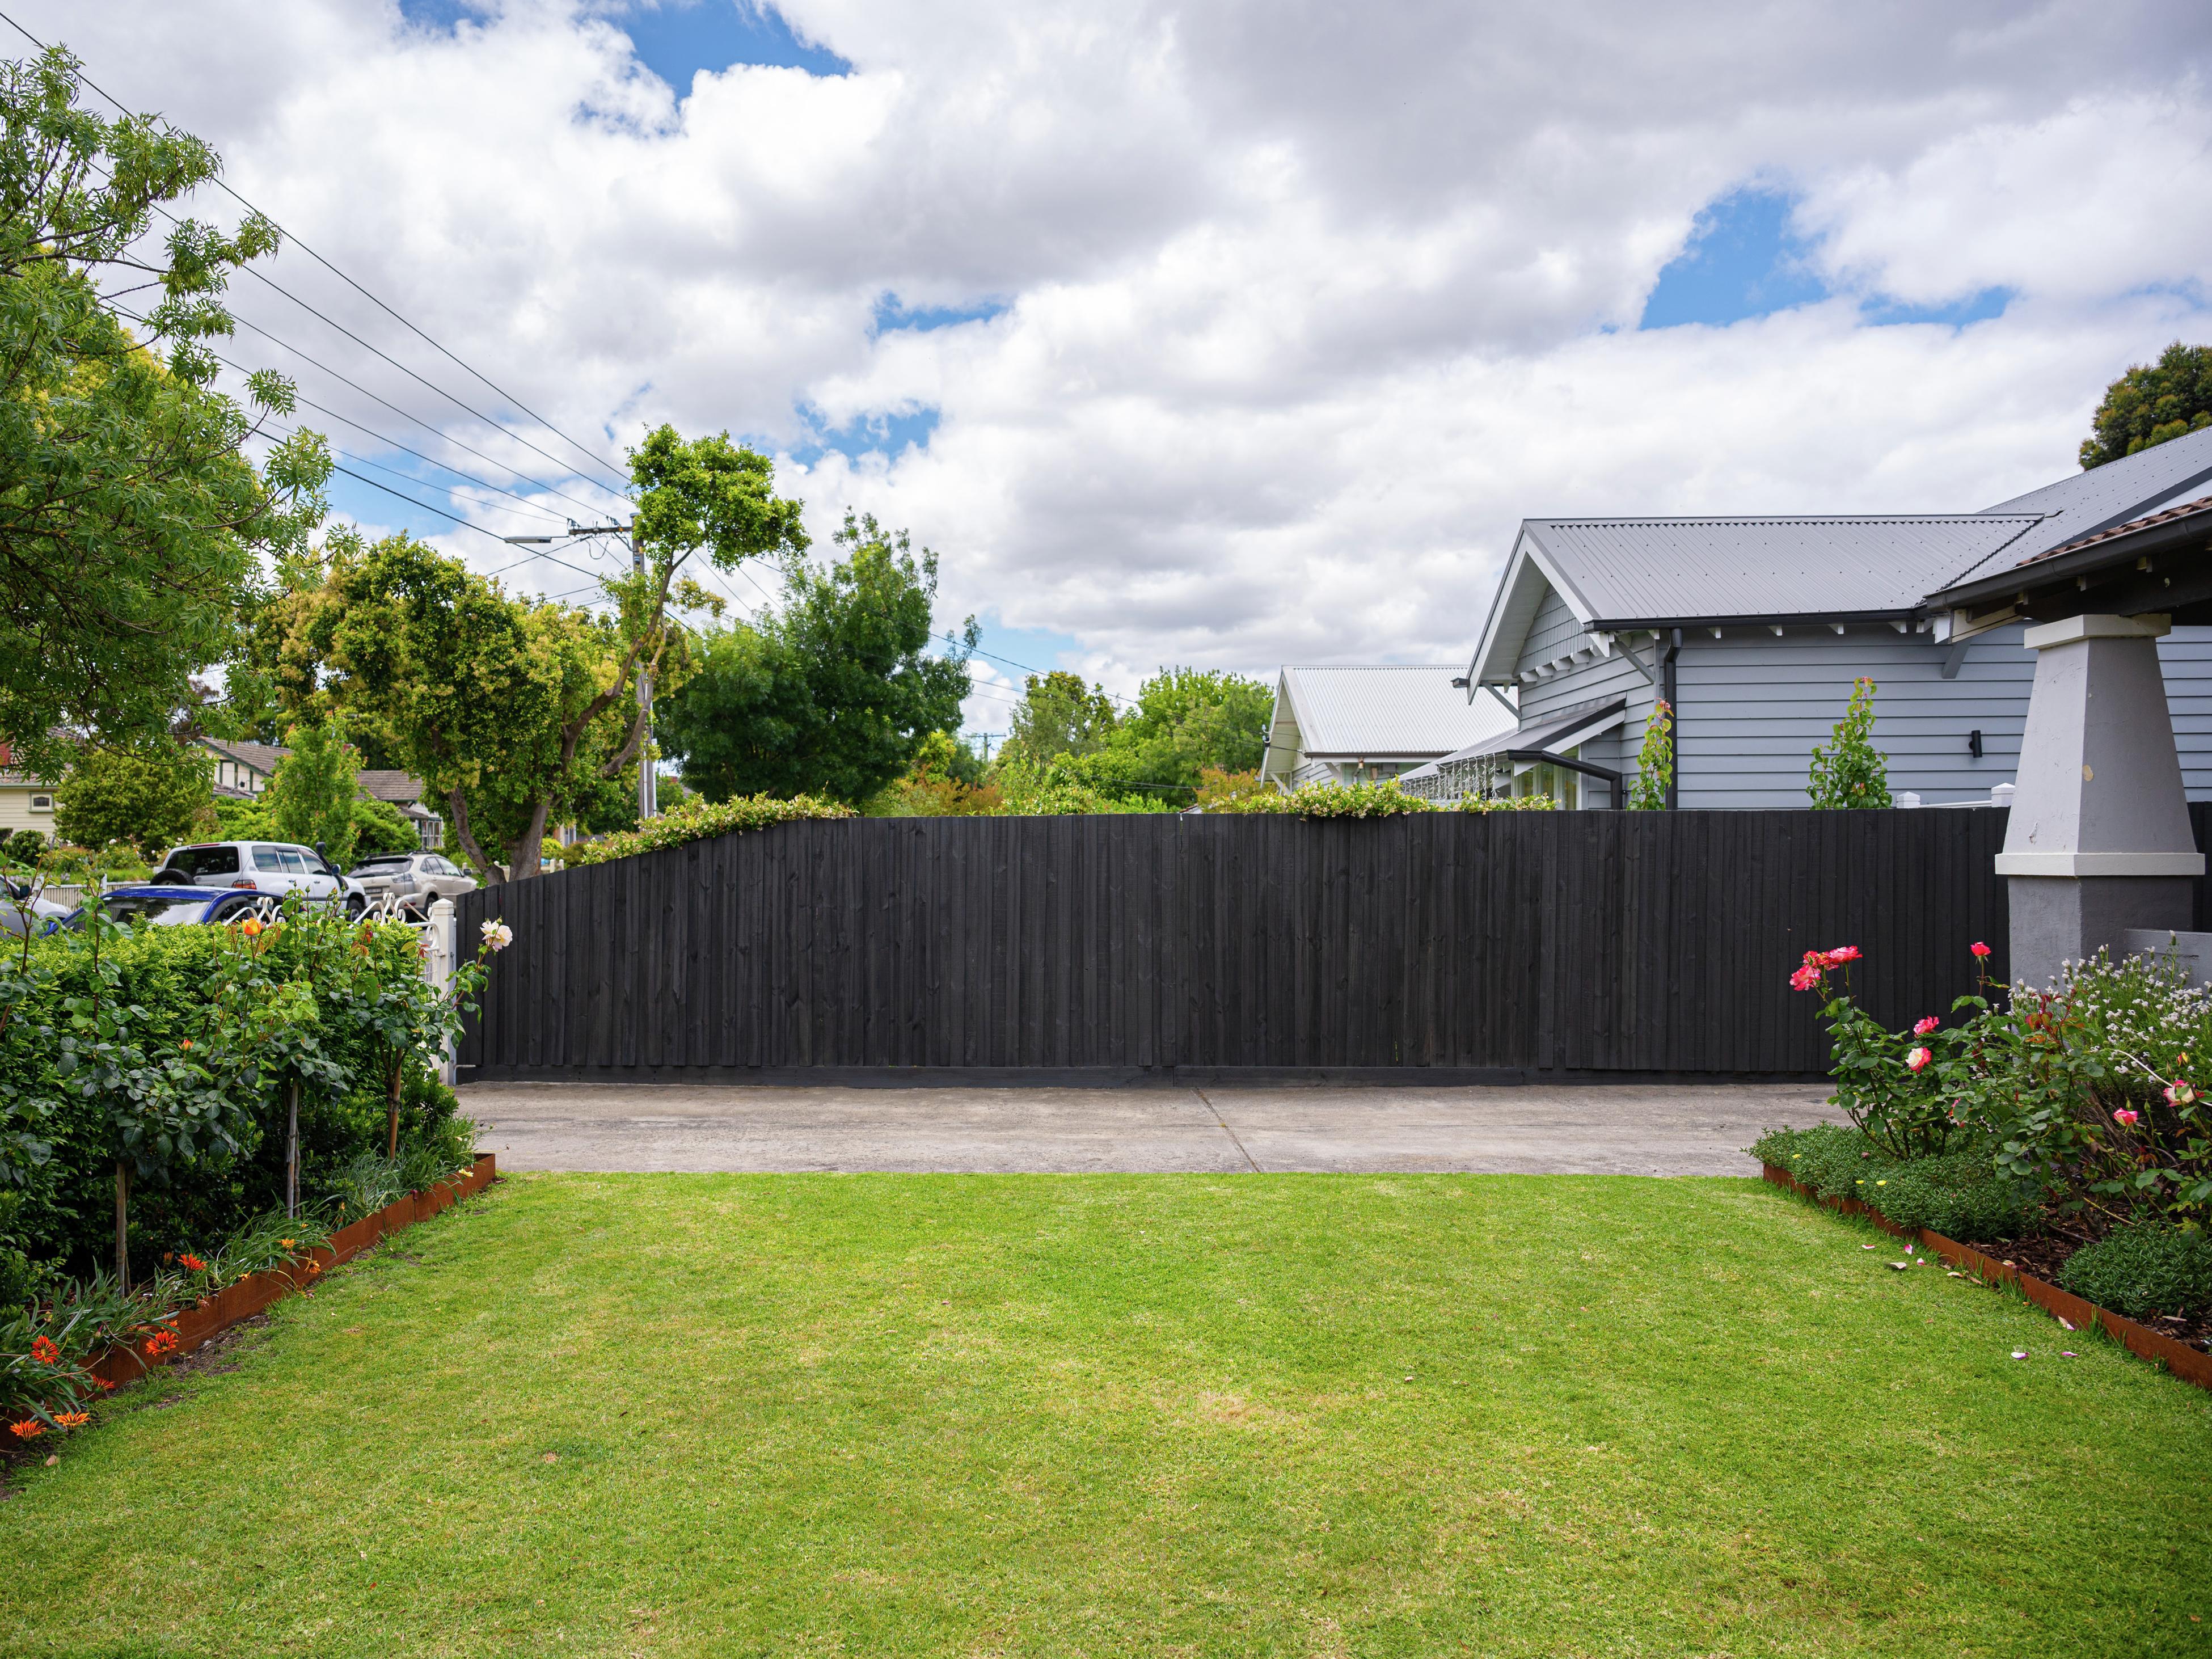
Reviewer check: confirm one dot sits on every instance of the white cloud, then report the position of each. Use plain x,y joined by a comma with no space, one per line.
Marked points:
1308,305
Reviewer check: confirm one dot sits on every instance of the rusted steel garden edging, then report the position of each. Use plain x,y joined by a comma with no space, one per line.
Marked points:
213,1315
2184,1361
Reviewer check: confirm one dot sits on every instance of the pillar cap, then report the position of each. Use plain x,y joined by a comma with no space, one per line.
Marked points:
2081,864
2043,636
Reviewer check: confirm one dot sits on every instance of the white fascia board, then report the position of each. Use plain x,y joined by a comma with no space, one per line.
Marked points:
1531,570
1284,731
2081,864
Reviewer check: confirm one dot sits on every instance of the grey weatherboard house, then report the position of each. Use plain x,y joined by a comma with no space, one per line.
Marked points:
1753,630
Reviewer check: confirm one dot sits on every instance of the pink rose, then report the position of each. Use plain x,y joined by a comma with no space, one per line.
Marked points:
2178,1093
1926,1025
1805,978
1918,1058
2124,1116
1978,948
1842,954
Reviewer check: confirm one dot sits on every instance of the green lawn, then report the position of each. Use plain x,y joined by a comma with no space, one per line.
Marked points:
1182,1414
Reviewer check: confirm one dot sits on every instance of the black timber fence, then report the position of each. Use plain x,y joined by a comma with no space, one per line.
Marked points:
1430,947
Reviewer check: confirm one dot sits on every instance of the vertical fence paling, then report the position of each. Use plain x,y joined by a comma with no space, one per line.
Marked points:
1585,942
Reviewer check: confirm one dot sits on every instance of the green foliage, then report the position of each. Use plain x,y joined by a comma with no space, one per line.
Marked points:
170,1047
1959,1194
1851,772
1655,762
831,694
2144,1270
1188,720
1058,714
1217,788
944,780
22,848
2152,404
310,801
1380,799
129,520
1064,787
699,819
151,795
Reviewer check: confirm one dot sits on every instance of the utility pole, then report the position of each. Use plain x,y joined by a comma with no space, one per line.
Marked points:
648,796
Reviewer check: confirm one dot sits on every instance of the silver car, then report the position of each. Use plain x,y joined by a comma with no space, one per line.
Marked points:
257,867
413,881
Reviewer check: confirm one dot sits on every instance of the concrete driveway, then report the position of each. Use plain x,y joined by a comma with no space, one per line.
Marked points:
1612,1129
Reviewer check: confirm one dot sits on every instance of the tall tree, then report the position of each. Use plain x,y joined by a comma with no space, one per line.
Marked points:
129,522
518,714
1187,720
2151,403
1057,714
310,801
834,693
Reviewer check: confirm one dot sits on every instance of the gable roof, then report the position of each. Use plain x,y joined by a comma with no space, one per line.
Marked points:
1377,712
261,757
1616,574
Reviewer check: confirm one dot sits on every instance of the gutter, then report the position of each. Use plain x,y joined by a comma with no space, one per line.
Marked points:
1546,756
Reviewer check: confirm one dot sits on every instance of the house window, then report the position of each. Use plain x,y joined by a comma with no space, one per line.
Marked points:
42,803
1543,778
433,834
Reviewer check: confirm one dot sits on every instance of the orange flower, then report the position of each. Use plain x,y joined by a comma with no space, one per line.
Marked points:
192,1263
160,1343
29,1429
286,1243
102,1385
250,927
42,1351
73,1419
187,1043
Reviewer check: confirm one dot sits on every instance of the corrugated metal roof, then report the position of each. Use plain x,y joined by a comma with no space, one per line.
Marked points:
1680,570
1563,728
1381,711
2170,515
2146,481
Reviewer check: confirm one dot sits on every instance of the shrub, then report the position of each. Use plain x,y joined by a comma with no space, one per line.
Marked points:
1959,1194
22,848
700,819
2144,1270
184,1016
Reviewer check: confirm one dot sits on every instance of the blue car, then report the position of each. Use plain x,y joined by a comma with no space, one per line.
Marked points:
168,905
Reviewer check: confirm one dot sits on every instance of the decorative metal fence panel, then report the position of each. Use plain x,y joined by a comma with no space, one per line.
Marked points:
1438,946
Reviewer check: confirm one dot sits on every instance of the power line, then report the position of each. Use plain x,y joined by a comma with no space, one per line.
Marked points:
581,449
436,432
443,466
464,523
952,639
407,477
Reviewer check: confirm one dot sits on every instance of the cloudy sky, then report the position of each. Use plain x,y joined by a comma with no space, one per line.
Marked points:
1231,334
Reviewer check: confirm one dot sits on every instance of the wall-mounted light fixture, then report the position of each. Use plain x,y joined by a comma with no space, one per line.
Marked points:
1459,682
1974,745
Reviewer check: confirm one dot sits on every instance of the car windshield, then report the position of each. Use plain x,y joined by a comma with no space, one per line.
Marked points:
198,861
183,906
383,862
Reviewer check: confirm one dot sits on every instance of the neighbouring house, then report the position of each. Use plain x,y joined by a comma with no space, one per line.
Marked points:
243,770
1356,724
26,801
1754,629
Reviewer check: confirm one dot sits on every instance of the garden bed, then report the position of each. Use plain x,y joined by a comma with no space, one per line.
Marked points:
2192,1365
192,1325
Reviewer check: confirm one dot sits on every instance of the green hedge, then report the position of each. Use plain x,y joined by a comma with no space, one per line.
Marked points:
1959,1195
1383,800
697,819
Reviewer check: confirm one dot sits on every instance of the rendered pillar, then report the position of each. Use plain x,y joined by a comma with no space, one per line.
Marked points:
2099,841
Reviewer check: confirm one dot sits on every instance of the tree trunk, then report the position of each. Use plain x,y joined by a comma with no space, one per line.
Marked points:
457,804
122,1225
528,848
292,1148
397,1072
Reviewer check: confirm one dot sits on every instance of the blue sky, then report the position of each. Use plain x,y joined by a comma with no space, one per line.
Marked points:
677,38
1745,260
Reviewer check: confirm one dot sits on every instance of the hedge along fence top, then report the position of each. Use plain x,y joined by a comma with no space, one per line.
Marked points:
212,1315
2069,1310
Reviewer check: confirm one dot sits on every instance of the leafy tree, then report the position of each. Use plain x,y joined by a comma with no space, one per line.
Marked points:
129,521
1058,714
944,780
519,714
501,705
151,794
311,798
1655,762
1188,720
1851,772
2151,403
834,694
1217,788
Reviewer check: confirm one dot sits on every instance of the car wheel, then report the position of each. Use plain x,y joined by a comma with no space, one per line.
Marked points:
355,905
